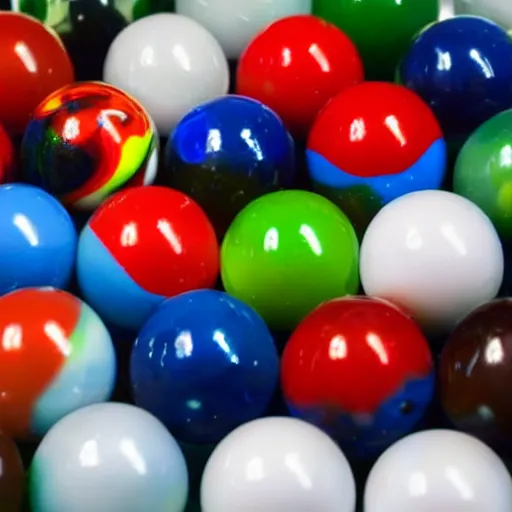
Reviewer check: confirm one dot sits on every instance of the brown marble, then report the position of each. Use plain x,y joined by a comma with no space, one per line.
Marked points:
11,476
475,373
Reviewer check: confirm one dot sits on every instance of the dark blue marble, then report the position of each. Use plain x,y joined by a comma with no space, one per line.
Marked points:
227,152
367,436
203,364
462,67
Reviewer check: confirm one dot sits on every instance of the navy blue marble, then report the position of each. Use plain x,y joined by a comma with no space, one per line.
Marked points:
462,67
203,364
227,152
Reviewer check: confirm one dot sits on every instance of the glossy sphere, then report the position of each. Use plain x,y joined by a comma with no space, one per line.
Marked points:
476,364
295,66
108,457
62,344
438,470
34,64
11,476
495,10
235,22
203,364
364,20
284,449
483,172
172,82
252,155
86,141
287,252
7,157
37,239
453,243
373,143
361,370
141,246
88,27
462,67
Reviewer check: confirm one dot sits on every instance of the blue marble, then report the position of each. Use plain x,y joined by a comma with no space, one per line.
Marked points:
462,67
203,364
367,436
227,152
427,173
37,239
239,134
112,293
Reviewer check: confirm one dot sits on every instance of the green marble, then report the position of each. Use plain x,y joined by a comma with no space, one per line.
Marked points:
483,171
381,29
287,252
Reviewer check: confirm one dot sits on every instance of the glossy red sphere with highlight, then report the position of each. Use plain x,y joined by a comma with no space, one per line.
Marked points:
295,66
160,237
34,64
353,354
374,129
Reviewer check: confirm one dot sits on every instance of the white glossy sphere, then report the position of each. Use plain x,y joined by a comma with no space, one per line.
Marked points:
499,11
235,22
438,471
277,465
170,63
434,253
109,458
